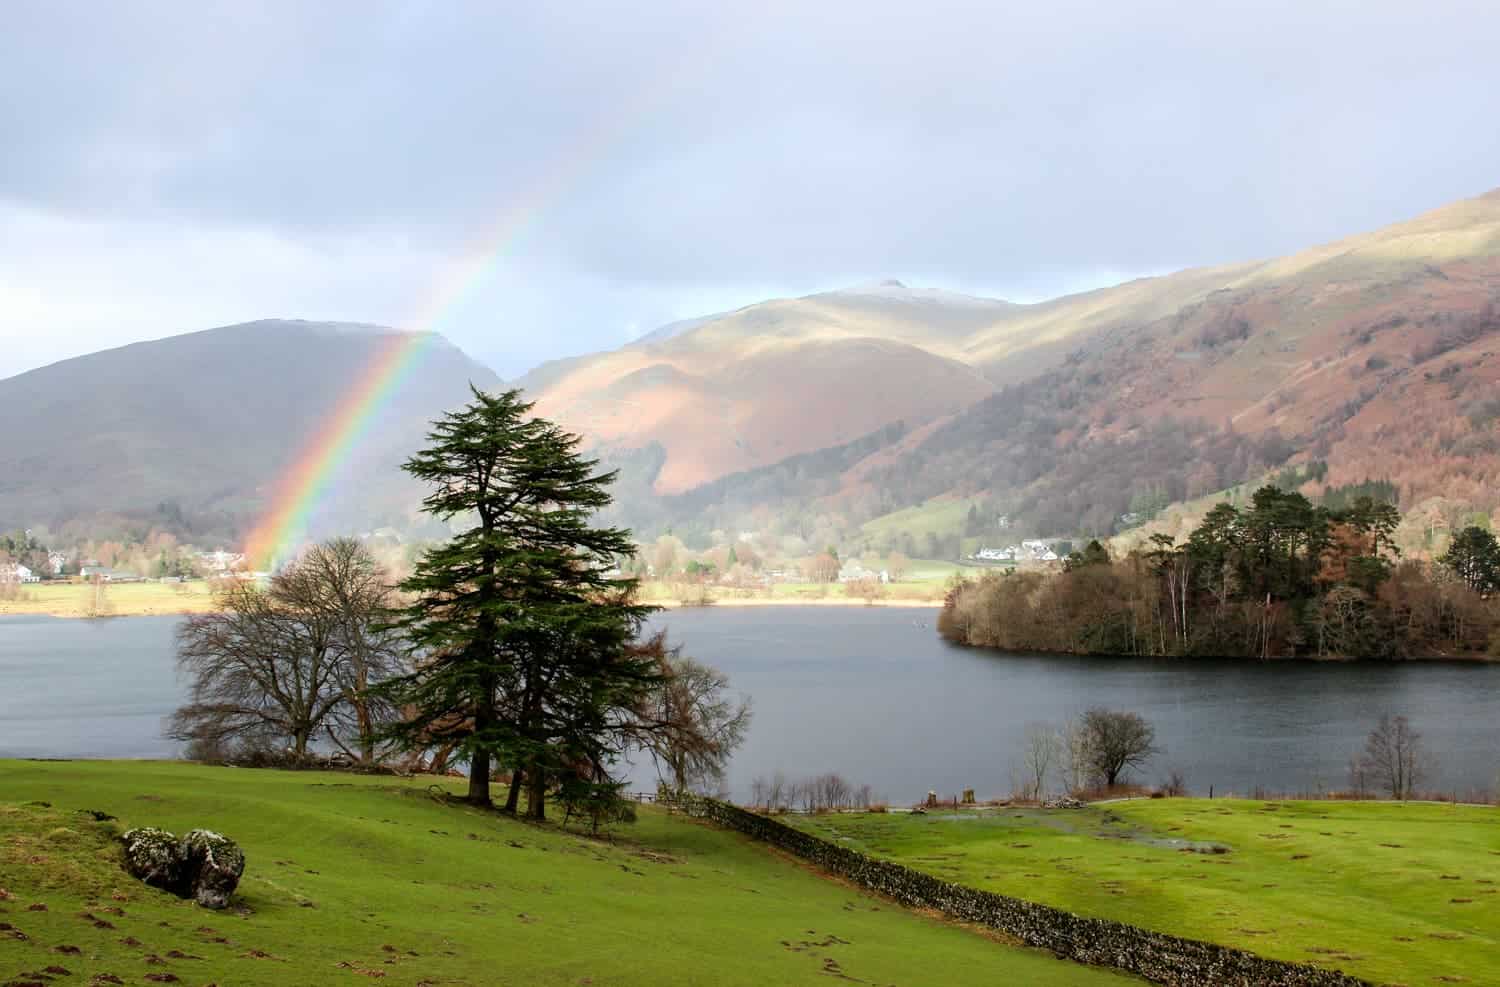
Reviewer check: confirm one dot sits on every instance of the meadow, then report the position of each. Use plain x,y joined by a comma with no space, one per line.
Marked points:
58,599
352,877
1392,892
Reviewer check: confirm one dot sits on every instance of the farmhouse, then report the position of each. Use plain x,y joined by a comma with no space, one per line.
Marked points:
16,572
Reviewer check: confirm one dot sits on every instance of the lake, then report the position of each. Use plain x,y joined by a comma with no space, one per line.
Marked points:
871,693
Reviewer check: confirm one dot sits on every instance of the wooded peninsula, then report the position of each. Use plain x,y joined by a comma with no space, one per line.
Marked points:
1279,579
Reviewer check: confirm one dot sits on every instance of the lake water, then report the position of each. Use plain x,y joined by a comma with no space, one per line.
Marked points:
871,693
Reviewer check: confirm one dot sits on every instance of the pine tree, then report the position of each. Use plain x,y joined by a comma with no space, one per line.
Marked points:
1474,556
519,627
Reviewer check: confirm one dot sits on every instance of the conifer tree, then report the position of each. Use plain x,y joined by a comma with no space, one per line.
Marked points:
519,626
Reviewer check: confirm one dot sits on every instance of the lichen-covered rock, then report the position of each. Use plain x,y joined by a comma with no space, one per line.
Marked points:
217,863
203,865
154,856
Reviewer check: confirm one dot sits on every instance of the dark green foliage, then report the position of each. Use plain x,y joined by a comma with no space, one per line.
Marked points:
1474,556
519,626
1093,554
1342,498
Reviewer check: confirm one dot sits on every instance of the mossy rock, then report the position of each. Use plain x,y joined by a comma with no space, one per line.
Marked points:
203,865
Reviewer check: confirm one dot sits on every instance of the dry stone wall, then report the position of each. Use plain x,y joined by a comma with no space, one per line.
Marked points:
1157,957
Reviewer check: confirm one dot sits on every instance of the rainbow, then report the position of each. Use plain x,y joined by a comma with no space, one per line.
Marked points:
307,482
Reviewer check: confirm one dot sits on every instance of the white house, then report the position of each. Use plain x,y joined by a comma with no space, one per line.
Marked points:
220,561
19,573
853,572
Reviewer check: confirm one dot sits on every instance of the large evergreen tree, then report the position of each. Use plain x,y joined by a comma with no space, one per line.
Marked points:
1474,556
519,625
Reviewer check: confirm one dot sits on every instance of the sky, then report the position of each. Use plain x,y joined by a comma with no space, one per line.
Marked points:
542,180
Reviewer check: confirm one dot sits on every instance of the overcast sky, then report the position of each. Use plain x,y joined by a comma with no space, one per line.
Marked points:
166,167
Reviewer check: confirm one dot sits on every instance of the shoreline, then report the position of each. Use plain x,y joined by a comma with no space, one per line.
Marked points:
900,602
68,610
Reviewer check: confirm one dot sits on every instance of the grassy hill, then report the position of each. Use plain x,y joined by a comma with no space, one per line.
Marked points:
1397,893
351,878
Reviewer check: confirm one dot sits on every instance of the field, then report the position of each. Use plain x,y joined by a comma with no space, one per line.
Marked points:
121,600
350,878
940,515
1390,892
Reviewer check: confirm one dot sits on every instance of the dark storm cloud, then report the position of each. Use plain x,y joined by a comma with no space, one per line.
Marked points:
674,155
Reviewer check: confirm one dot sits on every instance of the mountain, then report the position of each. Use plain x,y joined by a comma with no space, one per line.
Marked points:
751,387
200,426
1373,357
879,416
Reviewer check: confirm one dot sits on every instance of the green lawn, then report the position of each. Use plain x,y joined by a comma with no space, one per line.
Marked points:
1394,893
350,878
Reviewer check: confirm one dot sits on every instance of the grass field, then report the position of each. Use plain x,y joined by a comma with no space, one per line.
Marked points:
121,600
940,515
1391,892
351,877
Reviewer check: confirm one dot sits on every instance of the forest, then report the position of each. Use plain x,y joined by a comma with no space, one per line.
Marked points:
1280,578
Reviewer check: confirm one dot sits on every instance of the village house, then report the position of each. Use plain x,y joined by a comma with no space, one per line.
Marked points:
219,561
16,572
853,572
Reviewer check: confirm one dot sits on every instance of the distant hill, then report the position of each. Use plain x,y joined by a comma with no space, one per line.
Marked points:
1374,357
748,388
200,426
834,415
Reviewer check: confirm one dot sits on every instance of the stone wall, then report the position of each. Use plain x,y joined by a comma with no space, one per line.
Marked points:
1155,956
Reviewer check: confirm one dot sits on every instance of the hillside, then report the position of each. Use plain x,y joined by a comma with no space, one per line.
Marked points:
752,387
833,415
199,426
351,877
1377,356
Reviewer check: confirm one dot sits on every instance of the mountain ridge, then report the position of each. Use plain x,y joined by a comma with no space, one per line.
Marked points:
208,420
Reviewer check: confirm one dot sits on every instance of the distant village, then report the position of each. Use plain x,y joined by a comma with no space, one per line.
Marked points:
215,564
1026,551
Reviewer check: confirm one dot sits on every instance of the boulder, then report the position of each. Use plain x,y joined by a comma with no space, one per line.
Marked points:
154,856
203,865
217,863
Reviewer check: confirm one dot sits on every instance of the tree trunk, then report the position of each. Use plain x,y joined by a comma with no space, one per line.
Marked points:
479,779
536,794
513,800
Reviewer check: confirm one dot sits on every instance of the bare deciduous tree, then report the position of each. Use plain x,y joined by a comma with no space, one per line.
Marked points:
776,793
689,725
283,664
1116,742
342,579
1075,756
1043,749
868,589
96,597
1394,757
